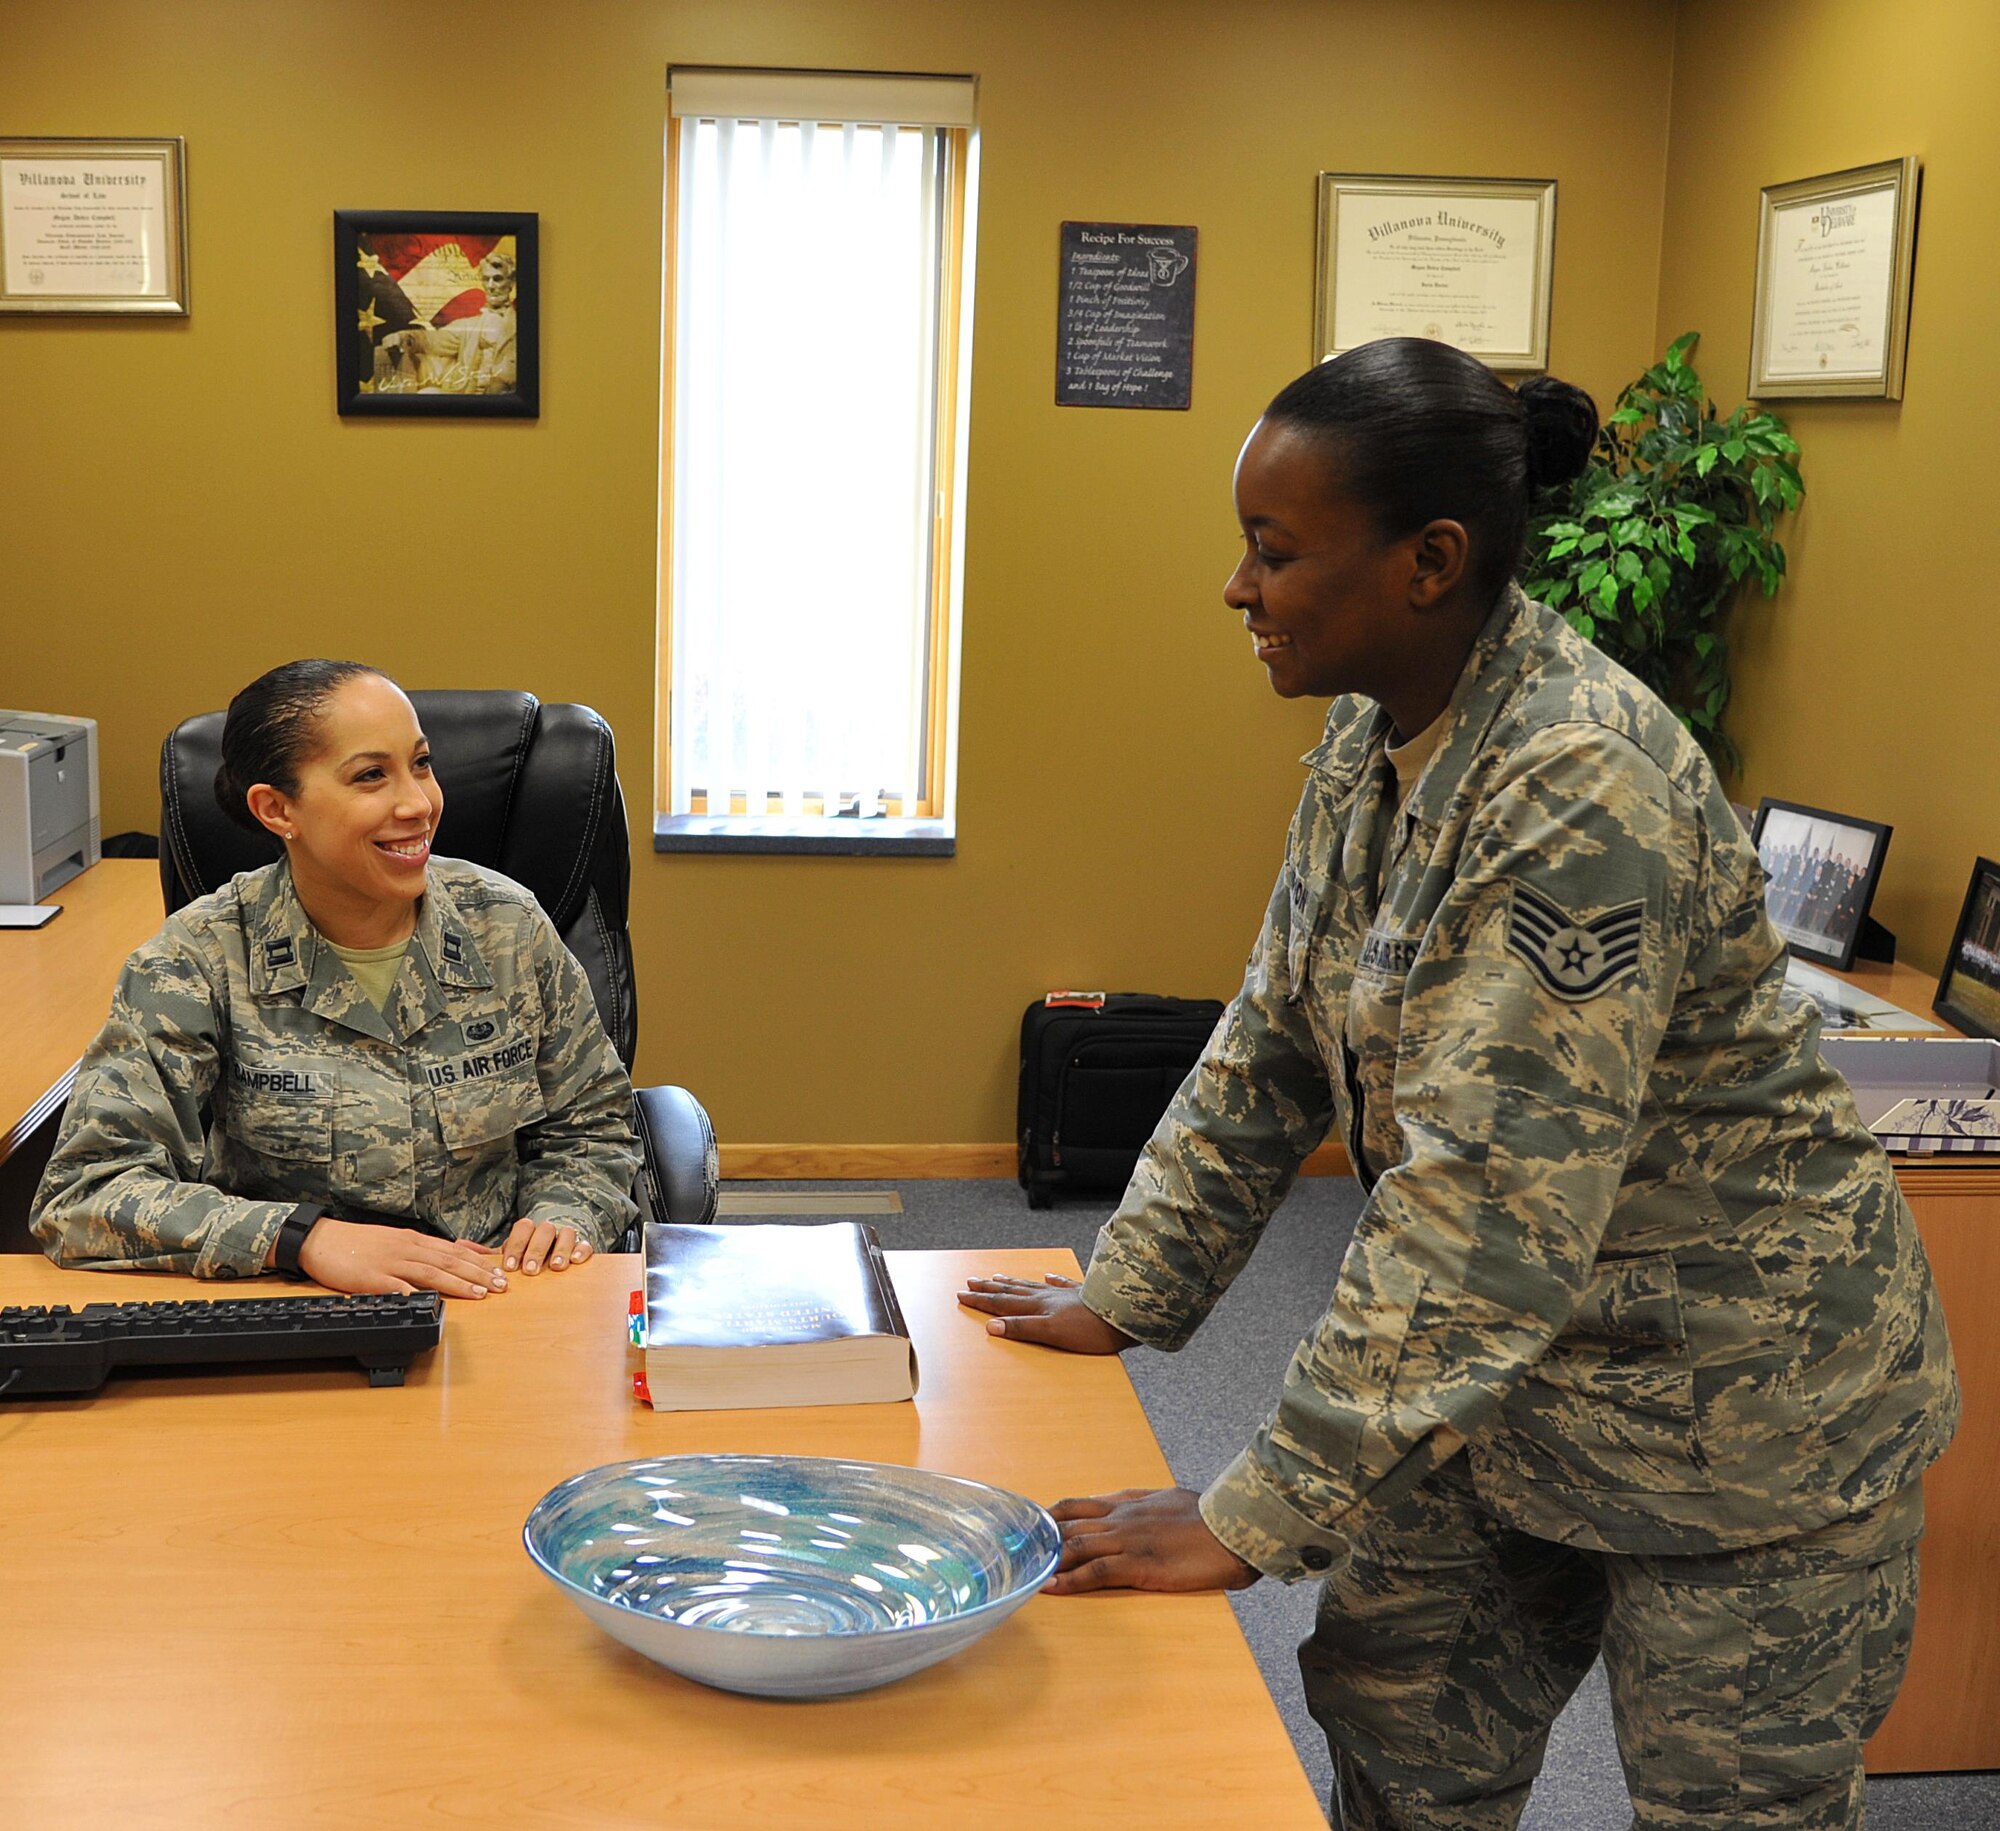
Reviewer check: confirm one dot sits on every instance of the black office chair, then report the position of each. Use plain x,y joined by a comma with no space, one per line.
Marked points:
532,791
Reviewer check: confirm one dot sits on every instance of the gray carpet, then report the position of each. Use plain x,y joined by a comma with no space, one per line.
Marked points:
1205,1401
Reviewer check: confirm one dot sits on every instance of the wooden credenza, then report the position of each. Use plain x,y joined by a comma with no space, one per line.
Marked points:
1947,1718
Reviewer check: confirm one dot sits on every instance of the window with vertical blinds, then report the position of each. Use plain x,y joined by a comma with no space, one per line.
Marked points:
816,290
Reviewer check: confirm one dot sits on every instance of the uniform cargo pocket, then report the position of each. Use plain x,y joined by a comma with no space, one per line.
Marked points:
477,1114
1610,1404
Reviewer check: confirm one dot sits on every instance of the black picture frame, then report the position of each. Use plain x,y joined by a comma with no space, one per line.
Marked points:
409,340
1968,994
1829,932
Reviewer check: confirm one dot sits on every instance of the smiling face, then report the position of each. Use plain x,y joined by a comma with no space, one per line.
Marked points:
1332,606
1318,587
358,828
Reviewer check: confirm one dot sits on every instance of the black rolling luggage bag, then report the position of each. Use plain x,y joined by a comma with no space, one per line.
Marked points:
1097,1071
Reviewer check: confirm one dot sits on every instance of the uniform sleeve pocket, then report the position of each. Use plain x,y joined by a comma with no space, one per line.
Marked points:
474,1116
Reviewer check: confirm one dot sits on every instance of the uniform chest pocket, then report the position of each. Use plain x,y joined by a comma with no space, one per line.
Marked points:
474,1116
283,1107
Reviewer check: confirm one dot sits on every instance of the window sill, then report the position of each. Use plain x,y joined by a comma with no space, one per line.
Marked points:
836,837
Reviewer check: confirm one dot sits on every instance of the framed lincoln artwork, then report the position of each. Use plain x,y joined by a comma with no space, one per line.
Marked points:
437,313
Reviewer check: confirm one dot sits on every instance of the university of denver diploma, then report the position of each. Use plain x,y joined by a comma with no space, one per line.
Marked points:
1833,277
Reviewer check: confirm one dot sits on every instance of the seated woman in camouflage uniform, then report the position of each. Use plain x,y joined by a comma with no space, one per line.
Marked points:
361,1033
1635,1350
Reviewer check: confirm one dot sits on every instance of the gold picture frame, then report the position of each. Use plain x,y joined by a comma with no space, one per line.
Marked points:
1836,256
1467,261
93,227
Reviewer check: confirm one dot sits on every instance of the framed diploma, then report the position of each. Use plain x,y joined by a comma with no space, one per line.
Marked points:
1834,260
96,226
1464,261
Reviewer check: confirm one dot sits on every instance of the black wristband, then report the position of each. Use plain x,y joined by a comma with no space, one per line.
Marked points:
292,1239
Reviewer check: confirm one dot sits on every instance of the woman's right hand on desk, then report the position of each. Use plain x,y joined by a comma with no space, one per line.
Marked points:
1051,1314
353,1256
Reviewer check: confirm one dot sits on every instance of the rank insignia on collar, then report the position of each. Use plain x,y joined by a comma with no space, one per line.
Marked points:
452,944
277,954
1574,960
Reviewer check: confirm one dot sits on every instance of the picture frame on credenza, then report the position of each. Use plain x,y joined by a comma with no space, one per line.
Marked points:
1968,994
1820,871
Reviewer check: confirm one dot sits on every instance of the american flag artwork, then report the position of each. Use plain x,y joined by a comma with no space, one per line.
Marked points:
436,314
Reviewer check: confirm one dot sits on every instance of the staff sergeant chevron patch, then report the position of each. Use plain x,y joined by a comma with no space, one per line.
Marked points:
1574,960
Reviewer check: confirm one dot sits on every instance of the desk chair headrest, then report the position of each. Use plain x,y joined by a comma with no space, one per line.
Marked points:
528,790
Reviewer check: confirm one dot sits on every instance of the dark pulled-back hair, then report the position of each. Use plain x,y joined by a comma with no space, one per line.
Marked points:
1423,432
271,728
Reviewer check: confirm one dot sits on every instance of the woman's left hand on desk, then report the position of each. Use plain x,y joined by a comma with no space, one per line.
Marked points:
1142,1538
533,1244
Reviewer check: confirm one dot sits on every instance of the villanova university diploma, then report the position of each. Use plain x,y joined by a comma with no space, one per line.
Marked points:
1460,265
92,228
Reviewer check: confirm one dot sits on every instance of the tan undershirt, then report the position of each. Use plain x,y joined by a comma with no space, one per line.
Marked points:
1408,759
375,967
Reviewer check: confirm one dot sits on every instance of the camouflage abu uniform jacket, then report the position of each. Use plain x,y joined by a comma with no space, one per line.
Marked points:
1625,1236
486,1092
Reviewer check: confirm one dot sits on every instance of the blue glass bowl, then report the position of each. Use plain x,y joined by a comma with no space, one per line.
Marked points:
790,1576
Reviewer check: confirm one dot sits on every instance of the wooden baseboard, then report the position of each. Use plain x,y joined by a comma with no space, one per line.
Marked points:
909,1162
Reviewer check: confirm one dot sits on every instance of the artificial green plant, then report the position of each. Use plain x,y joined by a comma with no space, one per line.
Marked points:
1644,553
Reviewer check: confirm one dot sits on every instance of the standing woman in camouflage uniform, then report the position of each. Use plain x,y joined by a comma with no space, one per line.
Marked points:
1635,1349
360,1034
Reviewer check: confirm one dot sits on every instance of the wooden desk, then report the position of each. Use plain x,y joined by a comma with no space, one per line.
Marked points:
291,1598
55,986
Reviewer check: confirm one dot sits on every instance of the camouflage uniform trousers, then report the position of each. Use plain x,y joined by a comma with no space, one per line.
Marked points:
1742,1683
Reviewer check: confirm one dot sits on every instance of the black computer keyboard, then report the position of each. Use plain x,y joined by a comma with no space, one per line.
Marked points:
52,1350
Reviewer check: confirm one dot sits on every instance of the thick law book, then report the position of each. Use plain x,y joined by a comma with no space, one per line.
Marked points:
773,1314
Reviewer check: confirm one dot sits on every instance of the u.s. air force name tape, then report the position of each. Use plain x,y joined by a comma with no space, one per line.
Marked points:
1574,960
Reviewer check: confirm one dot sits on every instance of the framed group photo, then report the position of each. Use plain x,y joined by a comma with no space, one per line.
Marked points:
1820,870
1968,993
437,313
1464,261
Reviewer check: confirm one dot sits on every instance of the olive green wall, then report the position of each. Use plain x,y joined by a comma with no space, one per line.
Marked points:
1871,683
181,508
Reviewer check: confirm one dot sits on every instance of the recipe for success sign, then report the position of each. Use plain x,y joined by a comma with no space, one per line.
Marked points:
1125,316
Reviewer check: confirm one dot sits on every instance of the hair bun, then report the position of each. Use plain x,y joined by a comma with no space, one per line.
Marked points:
230,797
1562,429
